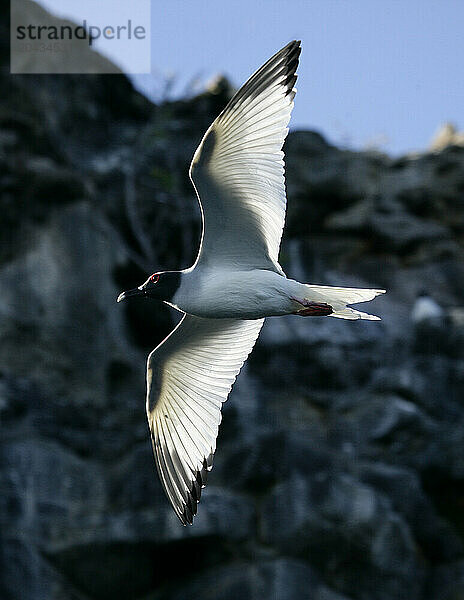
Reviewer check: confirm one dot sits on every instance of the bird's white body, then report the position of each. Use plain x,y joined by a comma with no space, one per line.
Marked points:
258,293
235,294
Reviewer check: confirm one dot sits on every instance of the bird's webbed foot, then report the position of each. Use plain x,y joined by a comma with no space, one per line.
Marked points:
312,309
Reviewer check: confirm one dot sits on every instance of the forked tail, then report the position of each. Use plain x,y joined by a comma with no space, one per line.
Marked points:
339,297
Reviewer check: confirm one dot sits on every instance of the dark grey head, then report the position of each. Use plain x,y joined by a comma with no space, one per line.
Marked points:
162,286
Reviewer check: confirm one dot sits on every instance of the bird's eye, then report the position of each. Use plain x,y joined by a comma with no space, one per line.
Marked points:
154,278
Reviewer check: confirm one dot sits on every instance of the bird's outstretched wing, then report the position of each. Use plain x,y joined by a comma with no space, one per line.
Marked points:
238,170
189,376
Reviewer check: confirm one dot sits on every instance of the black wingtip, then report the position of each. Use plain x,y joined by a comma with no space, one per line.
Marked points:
292,44
292,53
190,507
284,62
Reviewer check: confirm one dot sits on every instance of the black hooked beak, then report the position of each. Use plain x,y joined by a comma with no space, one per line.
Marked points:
139,291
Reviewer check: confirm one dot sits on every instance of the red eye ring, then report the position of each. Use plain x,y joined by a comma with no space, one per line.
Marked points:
154,278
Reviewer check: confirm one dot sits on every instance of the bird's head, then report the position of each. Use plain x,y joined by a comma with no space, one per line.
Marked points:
162,286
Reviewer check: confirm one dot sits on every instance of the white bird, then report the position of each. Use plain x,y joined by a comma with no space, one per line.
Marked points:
426,309
235,282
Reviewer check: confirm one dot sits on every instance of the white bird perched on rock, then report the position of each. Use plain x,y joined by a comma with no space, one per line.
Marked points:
426,309
236,281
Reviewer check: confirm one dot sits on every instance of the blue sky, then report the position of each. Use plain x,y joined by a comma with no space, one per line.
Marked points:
372,72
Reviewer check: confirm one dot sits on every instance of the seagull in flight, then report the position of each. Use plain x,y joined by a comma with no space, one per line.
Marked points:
235,283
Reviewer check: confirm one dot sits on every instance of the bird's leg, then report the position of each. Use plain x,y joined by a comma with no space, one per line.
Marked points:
312,309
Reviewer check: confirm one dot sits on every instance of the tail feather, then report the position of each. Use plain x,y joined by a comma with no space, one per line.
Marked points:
339,297
353,314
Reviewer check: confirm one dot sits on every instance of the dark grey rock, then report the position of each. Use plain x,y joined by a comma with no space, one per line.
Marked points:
388,222
448,581
282,578
375,552
269,458
437,539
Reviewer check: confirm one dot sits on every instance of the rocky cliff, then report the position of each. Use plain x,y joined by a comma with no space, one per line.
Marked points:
339,472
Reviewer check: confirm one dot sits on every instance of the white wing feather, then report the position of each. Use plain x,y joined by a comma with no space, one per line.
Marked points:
189,376
238,170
